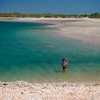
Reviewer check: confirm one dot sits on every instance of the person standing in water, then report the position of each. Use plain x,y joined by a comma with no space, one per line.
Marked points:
64,64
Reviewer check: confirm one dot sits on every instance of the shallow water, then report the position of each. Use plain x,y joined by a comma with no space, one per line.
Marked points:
31,51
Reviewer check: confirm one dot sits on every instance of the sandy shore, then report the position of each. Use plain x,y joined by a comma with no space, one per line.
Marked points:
49,91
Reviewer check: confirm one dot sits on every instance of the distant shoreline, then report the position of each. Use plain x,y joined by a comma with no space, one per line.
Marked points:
53,21
30,19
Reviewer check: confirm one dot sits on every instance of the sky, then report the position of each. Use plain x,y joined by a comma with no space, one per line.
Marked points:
50,6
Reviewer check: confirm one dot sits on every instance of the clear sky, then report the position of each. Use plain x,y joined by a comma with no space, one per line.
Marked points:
50,6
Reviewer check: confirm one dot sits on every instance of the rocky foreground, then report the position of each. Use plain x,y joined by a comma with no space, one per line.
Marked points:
49,91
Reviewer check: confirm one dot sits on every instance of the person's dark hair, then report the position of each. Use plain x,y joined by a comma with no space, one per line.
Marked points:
64,59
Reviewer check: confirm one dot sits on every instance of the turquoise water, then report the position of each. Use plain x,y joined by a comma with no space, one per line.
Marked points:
32,51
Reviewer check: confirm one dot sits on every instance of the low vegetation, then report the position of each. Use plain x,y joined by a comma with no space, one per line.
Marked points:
92,15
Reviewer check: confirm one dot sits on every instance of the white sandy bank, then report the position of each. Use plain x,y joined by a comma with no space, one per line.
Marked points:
49,91
84,29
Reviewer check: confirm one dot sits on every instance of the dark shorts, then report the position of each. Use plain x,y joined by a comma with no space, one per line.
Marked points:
64,67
